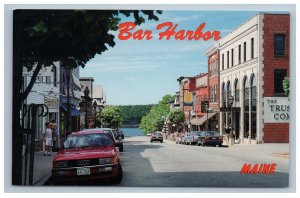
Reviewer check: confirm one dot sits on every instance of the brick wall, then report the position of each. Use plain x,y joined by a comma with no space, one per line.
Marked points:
276,133
275,24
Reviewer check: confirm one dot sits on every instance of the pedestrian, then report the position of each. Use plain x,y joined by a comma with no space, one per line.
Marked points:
47,137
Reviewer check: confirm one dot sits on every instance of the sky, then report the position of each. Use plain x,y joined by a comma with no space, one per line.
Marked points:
143,71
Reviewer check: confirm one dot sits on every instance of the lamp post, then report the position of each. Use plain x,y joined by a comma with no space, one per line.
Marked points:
95,106
206,109
68,70
230,103
85,103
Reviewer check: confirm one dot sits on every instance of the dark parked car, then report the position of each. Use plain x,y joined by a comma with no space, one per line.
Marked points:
117,140
87,156
210,138
156,137
121,134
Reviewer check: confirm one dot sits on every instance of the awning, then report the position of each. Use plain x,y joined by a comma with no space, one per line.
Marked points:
201,120
74,112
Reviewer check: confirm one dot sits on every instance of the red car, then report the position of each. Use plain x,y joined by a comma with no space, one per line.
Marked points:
85,156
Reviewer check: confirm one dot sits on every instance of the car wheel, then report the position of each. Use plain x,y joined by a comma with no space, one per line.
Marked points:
161,141
220,145
119,177
121,149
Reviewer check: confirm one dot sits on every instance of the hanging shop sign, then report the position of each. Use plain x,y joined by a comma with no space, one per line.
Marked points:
276,109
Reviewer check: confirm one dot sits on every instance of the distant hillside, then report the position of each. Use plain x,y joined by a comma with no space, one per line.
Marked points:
132,114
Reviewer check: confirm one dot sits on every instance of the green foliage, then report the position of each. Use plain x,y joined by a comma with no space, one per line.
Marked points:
154,120
132,114
286,86
177,117
110,116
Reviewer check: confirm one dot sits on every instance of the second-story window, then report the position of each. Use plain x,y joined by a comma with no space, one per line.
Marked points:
245,52
222,61
40,78
279,44
227,59
232,58
252,48
240,54
48,79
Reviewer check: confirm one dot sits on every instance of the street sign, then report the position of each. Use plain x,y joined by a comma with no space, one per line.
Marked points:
228,109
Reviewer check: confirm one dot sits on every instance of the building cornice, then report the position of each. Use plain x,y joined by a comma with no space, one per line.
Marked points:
240,66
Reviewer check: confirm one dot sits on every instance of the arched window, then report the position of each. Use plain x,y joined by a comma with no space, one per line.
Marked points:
246,107
236,90
253,106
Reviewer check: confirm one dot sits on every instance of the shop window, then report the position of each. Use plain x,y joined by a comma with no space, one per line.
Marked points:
279,75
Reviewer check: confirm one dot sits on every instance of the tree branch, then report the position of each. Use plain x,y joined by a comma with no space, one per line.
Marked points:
32,81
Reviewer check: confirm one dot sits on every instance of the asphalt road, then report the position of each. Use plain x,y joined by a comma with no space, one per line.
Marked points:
168,164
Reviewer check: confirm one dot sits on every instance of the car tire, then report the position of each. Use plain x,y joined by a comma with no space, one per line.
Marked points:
121,149
119,177
220,145
161,141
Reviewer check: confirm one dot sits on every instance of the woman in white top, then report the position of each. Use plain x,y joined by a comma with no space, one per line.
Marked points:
48,139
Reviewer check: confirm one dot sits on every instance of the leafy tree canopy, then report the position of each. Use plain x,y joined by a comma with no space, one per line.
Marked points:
154,120
110,117
46,36
286,86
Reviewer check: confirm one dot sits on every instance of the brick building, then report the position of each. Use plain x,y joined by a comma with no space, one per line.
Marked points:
254,59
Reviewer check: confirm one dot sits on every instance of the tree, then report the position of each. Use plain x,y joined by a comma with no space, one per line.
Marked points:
42,37
286,86
110,117
154,120
177,117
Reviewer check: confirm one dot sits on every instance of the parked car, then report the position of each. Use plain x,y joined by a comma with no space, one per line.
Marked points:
117,140
121,134
210,138
179,138
87,156
156,137
186,138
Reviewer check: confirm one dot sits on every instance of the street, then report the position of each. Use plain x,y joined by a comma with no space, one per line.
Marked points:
168,164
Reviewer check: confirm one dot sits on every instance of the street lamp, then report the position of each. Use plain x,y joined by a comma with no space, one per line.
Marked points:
206,109
95,106
85,103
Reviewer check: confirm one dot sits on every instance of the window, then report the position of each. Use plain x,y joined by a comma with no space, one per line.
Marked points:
228,92
227,59
252,48
240,56
232,57
245,52
279,44
253,107
279,75
223,95
48,79
222,61
246,107
40,78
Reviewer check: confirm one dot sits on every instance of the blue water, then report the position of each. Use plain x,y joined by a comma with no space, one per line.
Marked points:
132,132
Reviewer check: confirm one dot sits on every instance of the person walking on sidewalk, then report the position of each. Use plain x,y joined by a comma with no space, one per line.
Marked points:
48,139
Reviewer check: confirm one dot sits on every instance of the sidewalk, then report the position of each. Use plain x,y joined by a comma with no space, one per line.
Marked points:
42,168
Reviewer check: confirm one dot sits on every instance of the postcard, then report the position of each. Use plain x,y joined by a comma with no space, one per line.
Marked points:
151,98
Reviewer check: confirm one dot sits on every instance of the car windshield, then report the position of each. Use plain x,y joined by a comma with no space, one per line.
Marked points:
87,140
212,134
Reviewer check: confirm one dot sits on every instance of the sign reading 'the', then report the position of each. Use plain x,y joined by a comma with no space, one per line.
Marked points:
276,109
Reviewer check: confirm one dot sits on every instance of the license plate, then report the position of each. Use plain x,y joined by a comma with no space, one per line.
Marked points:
214,138
83,171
